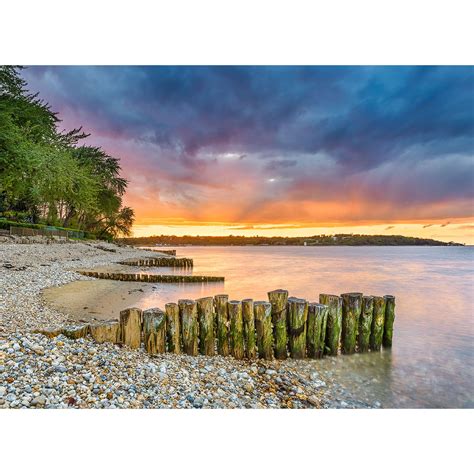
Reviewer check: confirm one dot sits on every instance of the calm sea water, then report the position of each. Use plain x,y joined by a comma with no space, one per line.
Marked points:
431,362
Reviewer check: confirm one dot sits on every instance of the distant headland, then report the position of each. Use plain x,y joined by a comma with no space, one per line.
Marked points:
315,240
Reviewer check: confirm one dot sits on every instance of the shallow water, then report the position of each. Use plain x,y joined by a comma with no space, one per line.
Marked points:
431,362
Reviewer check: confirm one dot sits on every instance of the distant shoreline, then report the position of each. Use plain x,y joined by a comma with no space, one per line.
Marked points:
338,240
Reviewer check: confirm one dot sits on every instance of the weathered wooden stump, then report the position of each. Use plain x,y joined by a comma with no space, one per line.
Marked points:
376,334
220,302
49,332
130,327
76,331
365,323
189,326
205,309
316,329
297,316
279,301
389,320
351,308
154,331
237,347
334,322
249,328
263,326
173,332
108,331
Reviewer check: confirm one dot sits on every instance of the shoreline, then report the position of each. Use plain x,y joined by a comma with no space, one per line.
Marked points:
58,373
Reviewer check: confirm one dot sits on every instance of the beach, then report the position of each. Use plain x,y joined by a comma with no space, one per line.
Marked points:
39,372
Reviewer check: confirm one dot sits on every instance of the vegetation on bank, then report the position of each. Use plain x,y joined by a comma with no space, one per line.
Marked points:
338,239
48,176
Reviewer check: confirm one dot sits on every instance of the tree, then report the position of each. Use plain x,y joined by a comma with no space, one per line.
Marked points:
47,175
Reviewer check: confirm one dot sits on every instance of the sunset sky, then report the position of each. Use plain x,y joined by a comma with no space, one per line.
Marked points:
281,150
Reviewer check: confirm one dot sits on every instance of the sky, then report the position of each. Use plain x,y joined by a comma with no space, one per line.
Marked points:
281,150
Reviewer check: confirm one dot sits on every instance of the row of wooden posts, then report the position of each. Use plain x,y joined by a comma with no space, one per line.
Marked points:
150,278
246,329
165,251
159,262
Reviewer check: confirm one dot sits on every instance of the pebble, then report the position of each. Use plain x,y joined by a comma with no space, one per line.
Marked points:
38,372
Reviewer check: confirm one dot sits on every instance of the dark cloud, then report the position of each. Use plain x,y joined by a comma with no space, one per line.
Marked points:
403,136
275,165
390,227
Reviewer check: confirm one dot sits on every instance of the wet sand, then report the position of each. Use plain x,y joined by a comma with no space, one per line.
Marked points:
94,299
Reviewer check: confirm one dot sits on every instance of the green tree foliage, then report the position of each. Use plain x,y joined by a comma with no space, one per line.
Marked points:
47,175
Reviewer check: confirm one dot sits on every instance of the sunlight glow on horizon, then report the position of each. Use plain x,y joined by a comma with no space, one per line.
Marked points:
460,232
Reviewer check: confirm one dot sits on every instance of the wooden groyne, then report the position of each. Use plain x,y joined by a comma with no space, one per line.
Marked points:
246,329
167,252
159,262
146,278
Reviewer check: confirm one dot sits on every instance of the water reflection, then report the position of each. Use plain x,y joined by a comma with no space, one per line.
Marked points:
430,364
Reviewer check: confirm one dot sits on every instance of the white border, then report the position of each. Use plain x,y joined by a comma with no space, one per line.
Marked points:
236,32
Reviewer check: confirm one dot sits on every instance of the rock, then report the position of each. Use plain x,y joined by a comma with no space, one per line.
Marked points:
314,376
39,401
198,402
38,349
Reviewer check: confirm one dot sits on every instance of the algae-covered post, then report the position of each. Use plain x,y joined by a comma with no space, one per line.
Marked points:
378,318
279,300
351,308
189,326
106,332
130,327
76,331
334,321
205,309
389,320
154,331
237,348
297,316
220,302
263,326
173,332
316,329
249,328
365,323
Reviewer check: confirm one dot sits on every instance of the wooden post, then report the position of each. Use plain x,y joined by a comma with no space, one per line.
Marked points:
76,331
376,334
334,321
365,323
220,302
351,308
316,329
106,332
237,348
249,328
154,331
389,320
130,327
205,309
297,316
189,326
263,326
173,332
279,300
48,332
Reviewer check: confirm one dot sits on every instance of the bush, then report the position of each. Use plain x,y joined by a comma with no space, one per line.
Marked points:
6,224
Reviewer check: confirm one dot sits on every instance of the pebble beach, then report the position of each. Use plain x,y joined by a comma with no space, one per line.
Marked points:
41,372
